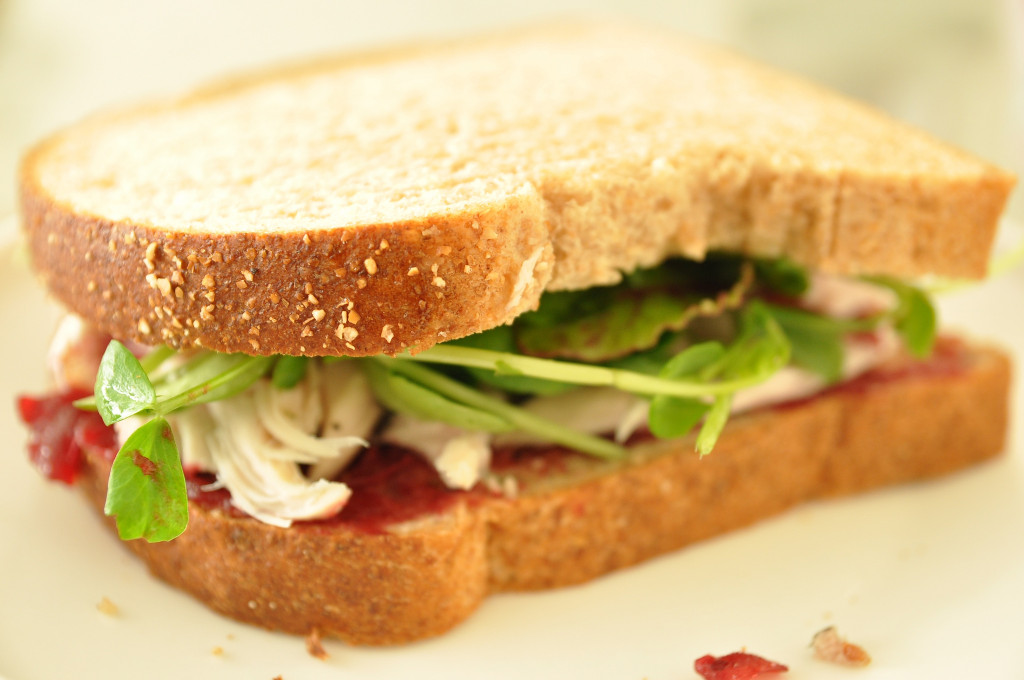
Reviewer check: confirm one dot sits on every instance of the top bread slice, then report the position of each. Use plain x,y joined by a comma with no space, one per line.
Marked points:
394,199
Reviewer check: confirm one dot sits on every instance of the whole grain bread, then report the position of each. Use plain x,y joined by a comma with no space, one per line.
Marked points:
907,421
392,199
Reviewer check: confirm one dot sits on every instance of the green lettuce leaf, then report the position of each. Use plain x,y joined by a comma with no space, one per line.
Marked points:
146,492
634,316
122,387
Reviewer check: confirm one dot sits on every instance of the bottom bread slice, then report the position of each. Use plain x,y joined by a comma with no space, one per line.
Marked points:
574,518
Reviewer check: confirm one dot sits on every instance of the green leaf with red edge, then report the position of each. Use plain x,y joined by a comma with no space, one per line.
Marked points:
630,320
146,491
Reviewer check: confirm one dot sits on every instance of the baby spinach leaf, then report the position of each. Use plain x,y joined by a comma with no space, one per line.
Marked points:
122,387
210,377
146,491
917,325
289,371
675,416
914,318
671,417
783,275
511,414
402,395
816,342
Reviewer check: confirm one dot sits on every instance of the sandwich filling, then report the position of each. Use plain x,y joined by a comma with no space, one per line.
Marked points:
669,350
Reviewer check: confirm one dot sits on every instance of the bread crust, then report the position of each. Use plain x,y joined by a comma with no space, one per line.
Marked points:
359,292
423,577
735,172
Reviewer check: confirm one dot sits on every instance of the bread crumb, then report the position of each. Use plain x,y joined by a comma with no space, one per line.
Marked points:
315,647
387,333
242,285
384,244
371,266
439,282
361,283
319,314
275,298
312,299
247,275
217,651
413,271
105,606
353,317
217,257
144,327
829,646
306,239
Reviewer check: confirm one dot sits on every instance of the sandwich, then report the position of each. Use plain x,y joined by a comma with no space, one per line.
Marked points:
354,343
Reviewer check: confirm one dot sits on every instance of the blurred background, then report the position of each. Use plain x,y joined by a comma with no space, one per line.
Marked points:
954,67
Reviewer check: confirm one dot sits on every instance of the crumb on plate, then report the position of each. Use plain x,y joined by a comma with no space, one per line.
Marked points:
829,646
314,646
105,606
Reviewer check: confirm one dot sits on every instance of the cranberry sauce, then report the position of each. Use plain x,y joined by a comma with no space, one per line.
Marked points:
390,485
58,433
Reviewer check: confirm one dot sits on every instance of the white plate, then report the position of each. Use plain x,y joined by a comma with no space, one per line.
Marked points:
928,578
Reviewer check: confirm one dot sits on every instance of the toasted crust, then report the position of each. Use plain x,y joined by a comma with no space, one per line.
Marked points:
439,190
422,578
